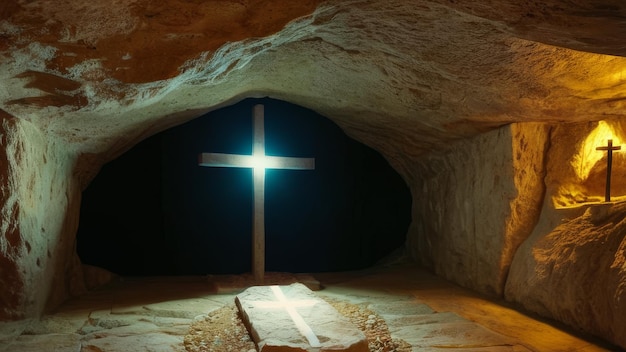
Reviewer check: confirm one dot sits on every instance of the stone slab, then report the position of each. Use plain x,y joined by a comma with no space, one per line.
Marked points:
401,308
11,329
505,348
153,342
48,342
445,330
180,308
292,318
423,319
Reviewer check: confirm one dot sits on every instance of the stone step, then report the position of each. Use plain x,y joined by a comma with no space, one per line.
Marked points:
292,318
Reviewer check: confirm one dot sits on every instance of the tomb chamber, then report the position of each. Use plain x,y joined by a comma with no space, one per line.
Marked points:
486,109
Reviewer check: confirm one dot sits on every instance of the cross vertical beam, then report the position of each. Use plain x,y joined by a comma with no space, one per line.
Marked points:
258,161
609,164
258,225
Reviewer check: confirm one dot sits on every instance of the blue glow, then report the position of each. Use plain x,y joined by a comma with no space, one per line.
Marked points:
155,212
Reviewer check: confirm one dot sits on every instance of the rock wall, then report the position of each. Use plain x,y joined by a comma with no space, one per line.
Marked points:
508,214
406,78
476,202
37,231
11,297
573,268
484,217
576,272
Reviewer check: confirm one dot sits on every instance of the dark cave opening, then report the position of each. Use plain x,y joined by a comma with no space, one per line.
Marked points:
154,211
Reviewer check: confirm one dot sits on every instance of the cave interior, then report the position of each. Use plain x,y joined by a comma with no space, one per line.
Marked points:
461,137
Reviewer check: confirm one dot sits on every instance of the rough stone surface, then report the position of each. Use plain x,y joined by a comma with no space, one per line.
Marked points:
478,201
446,330
419,81
588,250
293,318
458,318
571,267
36,221
49,342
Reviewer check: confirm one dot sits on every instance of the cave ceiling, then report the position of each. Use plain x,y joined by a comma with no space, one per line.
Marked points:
402,76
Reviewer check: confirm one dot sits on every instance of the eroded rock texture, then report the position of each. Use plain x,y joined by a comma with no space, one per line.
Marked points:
575,273
432,85
572,266
477,202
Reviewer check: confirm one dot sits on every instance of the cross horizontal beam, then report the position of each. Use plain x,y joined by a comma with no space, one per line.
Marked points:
254,161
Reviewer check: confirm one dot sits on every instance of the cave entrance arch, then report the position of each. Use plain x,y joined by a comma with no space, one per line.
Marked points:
154,211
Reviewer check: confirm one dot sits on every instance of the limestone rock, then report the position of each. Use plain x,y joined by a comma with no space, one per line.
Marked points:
156,342
478,201
293,318
580,263
419,81
571,268
447,330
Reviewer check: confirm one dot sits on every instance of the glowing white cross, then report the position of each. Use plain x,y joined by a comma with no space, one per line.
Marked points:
258,161
290,307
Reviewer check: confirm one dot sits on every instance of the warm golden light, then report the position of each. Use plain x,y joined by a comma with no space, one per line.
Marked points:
618,76
588,156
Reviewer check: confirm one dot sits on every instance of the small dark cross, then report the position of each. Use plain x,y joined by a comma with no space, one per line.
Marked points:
609,163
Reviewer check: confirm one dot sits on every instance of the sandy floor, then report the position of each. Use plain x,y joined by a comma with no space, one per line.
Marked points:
531,331
155,314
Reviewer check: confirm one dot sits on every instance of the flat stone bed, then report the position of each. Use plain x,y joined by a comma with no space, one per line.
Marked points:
292,318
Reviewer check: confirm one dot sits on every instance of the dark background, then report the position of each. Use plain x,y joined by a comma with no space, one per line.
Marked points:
154,211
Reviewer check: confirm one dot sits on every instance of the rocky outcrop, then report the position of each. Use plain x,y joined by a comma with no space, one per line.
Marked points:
572,267
475,203
38,219
12,297
575,272
429,84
